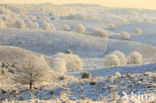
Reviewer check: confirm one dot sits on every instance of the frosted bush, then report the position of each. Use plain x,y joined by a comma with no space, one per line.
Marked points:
32,25
59,65
52,27
137,31
125,36
80,28
29,24
112,26
123,20
134,58
100,33
121,56
66,28
10,23
36,25
118,74
48,27
19,24
31,17
2,24
45,18
24,16
74,17
80,16
70,17
139,20
38,17
73,61
112,60
92,17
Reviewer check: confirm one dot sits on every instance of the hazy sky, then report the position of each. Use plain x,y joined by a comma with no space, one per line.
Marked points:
149,4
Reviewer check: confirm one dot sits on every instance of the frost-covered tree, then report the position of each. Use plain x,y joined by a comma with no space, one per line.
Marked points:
80,28
32,71
121,56
135,58
19,24
2,24
138,31
100,33
125,36
112,60
48,27
66,27
73,61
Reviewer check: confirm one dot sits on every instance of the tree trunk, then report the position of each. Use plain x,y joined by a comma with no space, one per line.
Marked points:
30,86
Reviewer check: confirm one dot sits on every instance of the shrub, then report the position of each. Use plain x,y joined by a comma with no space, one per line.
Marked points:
135,58
2,24
10,23
19,24
79,17
121,57
118,74
36,25
59,65
80,28
112,60
48,27
123,20
32,25
125,36
74,17
112,26
66,28
29,24
100,33
73,61
137,31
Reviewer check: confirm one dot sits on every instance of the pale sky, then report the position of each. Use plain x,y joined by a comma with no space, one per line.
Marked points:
148,4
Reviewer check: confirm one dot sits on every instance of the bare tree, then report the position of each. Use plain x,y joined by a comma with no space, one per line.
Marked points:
31,72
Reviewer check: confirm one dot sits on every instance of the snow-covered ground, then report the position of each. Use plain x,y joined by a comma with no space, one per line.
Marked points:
108,83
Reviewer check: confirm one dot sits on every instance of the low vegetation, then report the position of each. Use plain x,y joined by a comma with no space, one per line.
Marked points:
100,33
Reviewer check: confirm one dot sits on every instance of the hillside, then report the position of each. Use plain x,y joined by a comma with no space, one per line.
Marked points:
49,43
105,84
16,56
81,54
